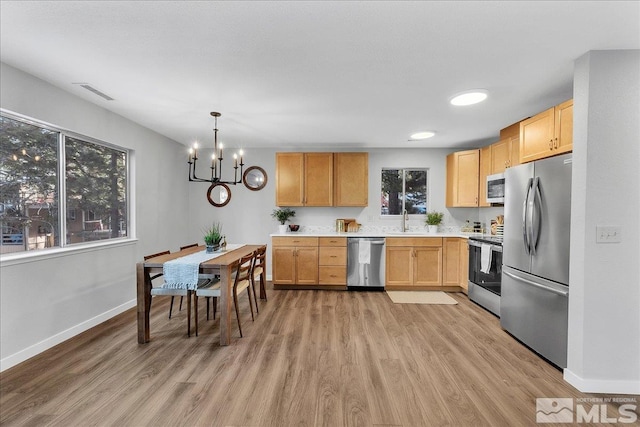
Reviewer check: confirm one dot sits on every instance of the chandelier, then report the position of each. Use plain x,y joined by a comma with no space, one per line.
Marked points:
216,161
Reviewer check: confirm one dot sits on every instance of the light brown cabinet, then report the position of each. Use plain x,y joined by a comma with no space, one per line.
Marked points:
351,183
332,261
294,260
304,179
463,172
464,265
413,262
548,133
451,269
322,179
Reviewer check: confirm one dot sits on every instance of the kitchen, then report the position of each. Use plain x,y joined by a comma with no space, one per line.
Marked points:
604,324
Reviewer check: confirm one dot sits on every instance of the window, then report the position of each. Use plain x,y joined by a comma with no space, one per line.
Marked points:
404,189
37,185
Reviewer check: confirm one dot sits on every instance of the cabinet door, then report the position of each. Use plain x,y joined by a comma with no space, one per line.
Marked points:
451,261
536,136
289,179
515,151
563,131
306,265
351,179
283,265
500,155
318,181
463,171
332,275
464,264
399,265
485,170
427,266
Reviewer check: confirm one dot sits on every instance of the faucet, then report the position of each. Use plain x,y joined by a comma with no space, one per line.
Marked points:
405,218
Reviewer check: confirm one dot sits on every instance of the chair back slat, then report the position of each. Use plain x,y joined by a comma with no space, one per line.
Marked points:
188,246
146,257
245,266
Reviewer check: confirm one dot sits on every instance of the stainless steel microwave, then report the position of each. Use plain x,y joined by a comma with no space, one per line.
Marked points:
495,188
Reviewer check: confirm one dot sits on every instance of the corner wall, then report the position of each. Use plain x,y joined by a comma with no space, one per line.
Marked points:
604,300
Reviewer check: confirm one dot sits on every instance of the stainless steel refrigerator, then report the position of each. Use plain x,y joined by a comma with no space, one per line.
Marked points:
535,258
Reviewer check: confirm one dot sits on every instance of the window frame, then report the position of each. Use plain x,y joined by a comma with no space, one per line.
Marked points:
65,247
426,170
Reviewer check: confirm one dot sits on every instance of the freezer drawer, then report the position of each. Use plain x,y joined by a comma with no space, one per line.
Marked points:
535,311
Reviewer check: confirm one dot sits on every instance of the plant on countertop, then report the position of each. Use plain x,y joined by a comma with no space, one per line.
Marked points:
213,234
283,214
434,218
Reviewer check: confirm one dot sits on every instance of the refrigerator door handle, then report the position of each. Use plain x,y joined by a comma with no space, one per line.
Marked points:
537,285
525,231
536,215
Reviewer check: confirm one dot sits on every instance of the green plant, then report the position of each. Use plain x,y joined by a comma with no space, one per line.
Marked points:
434,218
283,214
213,234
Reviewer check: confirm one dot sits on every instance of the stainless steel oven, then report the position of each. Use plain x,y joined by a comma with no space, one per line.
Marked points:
485,272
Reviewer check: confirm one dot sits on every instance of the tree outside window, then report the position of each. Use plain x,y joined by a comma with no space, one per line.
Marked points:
404,189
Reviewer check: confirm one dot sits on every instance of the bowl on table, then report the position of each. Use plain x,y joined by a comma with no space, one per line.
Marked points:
294,227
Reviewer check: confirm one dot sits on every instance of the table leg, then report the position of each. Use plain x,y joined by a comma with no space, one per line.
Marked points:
226,289
143,286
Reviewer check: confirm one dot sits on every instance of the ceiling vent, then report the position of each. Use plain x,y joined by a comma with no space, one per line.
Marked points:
94,90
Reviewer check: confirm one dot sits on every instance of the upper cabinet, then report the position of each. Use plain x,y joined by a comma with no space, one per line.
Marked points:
463,172
351,184
547,134
322,179
506,152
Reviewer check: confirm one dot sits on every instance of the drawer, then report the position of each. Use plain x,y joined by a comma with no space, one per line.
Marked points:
333,255
294,241
413,241
333,275
333,241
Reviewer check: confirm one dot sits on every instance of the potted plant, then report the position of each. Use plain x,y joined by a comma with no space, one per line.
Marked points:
212,237
283,215
434,218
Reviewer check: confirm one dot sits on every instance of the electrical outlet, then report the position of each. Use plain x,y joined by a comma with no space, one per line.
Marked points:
608,233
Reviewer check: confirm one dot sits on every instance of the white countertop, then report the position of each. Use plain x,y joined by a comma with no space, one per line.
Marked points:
374,234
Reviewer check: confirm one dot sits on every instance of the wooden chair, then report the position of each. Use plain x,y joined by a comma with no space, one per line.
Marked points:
259,272
241,281
161,290
181,298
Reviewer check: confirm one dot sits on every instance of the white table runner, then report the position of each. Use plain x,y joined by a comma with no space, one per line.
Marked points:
182,273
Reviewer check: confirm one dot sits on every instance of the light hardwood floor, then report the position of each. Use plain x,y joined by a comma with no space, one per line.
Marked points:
315,358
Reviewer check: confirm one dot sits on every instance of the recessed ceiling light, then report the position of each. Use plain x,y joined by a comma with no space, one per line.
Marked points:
469,97
422,135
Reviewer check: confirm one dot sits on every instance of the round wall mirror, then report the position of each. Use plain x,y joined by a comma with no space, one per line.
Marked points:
254,178
219,194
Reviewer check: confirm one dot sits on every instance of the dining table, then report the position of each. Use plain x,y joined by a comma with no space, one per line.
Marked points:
223,265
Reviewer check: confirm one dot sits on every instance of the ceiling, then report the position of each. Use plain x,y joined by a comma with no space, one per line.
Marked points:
315,74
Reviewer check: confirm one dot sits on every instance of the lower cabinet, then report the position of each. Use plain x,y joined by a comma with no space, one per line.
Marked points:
294,260
332,261
412,262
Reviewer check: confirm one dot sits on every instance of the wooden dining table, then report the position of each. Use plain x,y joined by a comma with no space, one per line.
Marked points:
224,265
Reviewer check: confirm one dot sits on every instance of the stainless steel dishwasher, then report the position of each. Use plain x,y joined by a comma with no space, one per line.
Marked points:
365,264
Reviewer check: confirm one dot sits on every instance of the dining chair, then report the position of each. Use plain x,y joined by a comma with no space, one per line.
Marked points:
259,272
181,298
162,290
241,281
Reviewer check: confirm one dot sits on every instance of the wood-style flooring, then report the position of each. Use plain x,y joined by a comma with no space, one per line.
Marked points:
311,358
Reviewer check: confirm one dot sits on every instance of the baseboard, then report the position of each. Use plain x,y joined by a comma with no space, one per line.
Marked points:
46,344
601,386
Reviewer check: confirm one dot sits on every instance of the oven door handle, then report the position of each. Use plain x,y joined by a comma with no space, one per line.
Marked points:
534,284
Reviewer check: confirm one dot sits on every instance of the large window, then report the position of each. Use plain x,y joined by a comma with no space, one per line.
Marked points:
404,189
38,183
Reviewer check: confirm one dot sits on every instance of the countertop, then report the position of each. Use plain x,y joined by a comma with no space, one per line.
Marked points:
374,234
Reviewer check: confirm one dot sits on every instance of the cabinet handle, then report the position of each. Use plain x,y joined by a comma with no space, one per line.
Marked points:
555,144
551,144
332,275
333,256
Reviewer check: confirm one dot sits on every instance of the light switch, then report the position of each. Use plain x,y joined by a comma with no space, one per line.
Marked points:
608,233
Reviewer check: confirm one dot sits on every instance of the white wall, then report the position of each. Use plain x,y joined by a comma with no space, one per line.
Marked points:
604,301
247,217
50,298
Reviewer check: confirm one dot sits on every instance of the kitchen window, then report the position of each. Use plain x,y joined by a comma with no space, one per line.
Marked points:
404,189
45,172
